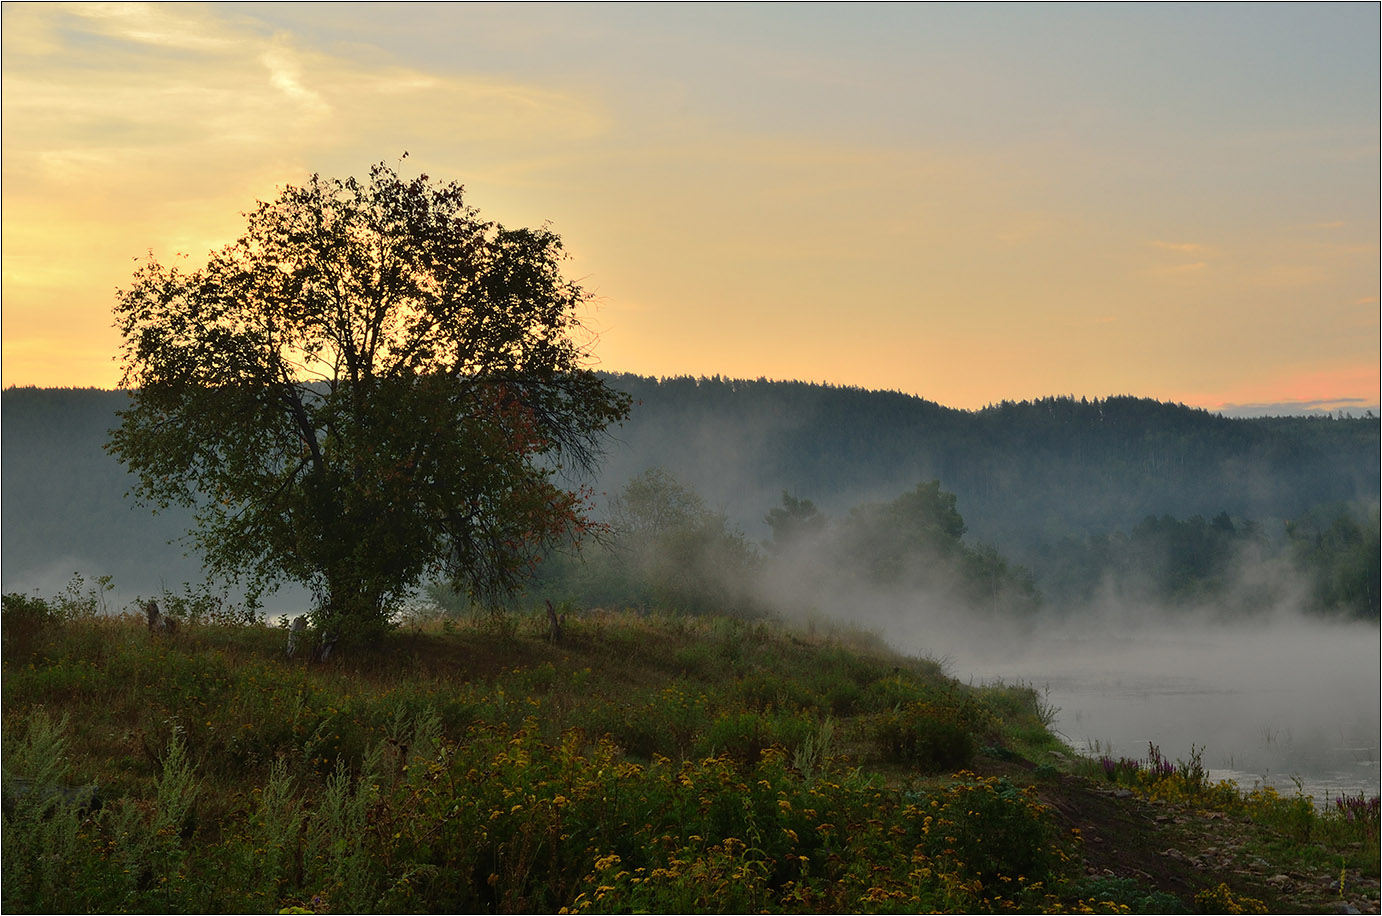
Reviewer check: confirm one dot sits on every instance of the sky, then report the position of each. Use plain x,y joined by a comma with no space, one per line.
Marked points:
967,203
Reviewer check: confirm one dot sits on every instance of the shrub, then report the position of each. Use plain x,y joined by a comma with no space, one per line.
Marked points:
930,737
22,620
44,838
997,831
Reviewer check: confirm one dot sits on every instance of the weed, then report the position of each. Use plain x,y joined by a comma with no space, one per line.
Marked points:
931,737
1221,899
1125,892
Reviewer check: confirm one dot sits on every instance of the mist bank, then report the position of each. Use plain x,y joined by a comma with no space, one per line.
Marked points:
1030,479
1287,701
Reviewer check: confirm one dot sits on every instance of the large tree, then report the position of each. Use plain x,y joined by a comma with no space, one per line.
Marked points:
371,387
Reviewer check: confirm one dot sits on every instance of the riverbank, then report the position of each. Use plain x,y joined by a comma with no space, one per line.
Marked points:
657,763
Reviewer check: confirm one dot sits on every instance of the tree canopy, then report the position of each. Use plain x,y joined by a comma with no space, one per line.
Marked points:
371,386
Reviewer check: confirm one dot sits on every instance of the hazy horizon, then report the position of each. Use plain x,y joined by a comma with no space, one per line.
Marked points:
1305,408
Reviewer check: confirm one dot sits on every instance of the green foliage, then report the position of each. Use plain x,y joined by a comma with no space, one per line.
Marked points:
1221,899
27,622
200,605
1340,549
1167,562
744,736
77,601
1035,479
929,737
371,386
668,550
901,541
63,853
1126,892
763,840
794,521
24,618
997,829
674,553
506,820
44,829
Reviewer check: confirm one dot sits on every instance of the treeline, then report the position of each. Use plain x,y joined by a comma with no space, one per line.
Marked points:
1096,498
1023,472
665,549
1327,561
64,507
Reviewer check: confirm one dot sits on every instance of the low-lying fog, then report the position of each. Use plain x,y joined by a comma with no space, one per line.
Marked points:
1269,701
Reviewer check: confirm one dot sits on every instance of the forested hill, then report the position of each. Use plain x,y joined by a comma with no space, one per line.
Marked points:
1022,471
1025,474
63,506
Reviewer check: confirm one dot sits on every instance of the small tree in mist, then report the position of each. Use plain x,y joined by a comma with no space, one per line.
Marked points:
916,541
795,521
905,541
677,553
370,387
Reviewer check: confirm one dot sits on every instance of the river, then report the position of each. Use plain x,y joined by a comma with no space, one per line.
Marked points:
1268,703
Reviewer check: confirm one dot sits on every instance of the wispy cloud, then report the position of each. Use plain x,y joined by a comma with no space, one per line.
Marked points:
173,26
1201,253
220,88
134,126
1180,270
1185,247
286,75
1311,407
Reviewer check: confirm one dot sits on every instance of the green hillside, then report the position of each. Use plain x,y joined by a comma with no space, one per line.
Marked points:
642,763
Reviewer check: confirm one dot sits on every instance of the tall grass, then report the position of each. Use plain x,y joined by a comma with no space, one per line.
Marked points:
645,763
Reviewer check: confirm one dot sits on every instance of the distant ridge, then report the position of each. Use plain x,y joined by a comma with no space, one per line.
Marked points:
1333,407
1348,408
1024,472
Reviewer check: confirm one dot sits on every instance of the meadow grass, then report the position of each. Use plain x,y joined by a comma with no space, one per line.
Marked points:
647,763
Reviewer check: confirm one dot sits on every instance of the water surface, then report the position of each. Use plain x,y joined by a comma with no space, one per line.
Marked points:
1268,704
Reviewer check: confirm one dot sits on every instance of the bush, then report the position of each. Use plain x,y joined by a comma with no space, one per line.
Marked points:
745,736
23,619
928,736
998,832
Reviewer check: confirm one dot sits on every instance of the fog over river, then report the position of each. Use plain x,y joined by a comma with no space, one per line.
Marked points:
1269,701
